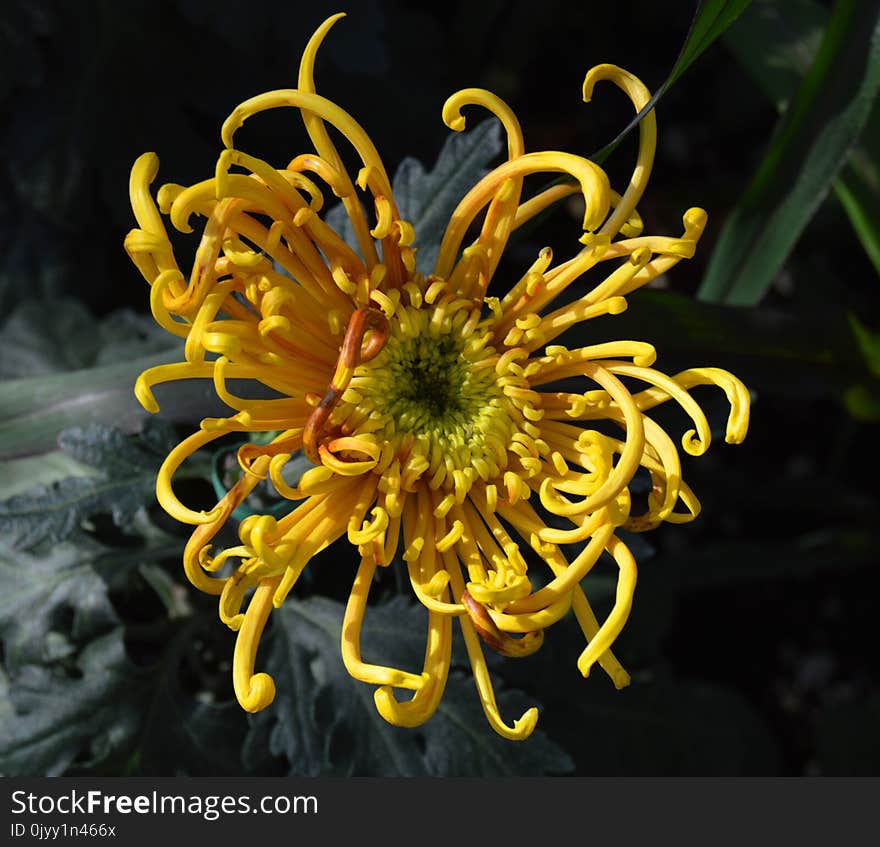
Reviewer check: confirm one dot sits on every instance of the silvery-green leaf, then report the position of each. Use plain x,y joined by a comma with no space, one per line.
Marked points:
427,198
58,591
113,452
124,482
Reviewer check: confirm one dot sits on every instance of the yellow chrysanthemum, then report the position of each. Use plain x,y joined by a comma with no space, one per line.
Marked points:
435,415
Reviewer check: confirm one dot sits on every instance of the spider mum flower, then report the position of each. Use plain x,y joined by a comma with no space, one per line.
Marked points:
444,425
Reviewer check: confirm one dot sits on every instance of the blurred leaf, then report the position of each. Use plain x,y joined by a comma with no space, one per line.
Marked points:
809,147
23,24
124,483
325,722
19,475
803,354
863,402
46,337
664,726
57,717
819,496
807,555
710,20
775,43
858,189
59,591
62,335
869,344
34,411
847,738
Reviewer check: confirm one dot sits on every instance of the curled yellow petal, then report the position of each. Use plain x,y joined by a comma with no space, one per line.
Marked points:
253,691
640,96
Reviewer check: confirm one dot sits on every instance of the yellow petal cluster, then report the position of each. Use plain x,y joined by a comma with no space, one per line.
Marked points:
446,429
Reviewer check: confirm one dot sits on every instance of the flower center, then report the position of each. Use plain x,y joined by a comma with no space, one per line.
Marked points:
436,400
431,386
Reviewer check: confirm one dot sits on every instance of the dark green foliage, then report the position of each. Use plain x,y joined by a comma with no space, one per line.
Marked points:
324,722
810,145
64,716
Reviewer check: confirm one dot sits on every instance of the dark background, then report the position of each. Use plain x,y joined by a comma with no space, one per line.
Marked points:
761,614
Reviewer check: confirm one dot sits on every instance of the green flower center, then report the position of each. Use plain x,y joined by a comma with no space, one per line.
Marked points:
430,385
437,398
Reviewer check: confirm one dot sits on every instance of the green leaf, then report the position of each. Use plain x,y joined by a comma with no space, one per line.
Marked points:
58,594
775,44
56,718
869,344
124,483
712,18
809,147
325,722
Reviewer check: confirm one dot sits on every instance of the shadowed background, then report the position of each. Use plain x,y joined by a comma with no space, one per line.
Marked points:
751,640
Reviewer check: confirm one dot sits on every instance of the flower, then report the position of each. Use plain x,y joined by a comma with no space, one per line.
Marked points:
440,421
